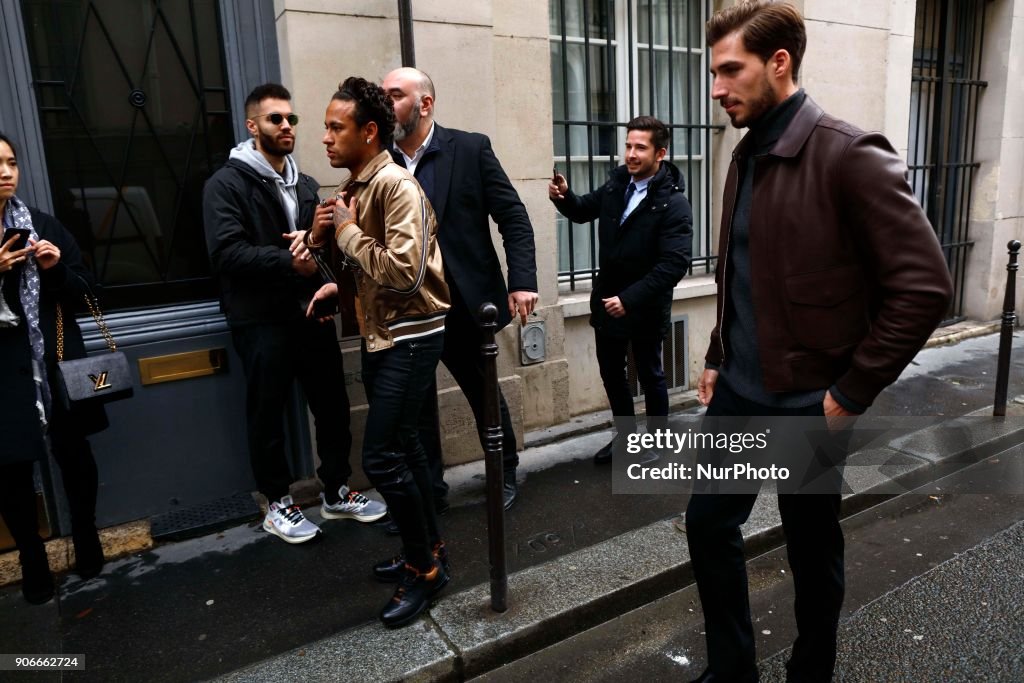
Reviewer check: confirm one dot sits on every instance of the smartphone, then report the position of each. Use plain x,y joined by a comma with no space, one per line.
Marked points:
22,241
323,308
554,173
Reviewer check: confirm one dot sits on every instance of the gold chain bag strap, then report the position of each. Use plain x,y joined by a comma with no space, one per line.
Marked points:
99,378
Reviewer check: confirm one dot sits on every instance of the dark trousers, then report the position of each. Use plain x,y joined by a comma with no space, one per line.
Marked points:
461,355
273,357
814,546
78,472
611,361
396,382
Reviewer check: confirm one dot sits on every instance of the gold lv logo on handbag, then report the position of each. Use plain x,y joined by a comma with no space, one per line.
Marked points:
100,381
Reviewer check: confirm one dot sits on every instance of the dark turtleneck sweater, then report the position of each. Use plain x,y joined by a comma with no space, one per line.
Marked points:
742,367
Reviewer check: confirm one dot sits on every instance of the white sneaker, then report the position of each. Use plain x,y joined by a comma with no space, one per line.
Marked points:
353,505
285,520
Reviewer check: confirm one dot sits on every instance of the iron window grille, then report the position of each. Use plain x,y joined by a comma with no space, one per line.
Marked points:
134,110
945,87
611,61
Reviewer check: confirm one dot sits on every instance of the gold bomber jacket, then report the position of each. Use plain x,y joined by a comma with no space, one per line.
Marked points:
400,289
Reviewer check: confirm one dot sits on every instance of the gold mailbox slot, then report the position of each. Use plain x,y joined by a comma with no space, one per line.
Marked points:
178,366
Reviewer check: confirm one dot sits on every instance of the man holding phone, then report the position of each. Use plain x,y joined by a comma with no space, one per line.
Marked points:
256,211
644,234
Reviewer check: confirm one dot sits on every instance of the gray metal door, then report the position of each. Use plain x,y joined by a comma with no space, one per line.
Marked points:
133,106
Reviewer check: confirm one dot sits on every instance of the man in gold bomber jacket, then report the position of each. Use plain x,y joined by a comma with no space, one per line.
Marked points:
384,241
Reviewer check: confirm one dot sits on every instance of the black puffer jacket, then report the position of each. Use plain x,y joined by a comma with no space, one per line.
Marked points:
641,260
21,436
244,221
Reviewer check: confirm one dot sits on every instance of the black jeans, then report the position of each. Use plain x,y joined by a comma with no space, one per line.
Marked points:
273,356
461,355
396,382
611,361
814,547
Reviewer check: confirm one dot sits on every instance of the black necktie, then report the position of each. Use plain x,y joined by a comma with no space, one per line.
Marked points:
630,191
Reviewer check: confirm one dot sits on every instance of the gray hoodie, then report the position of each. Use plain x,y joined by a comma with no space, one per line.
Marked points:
247,153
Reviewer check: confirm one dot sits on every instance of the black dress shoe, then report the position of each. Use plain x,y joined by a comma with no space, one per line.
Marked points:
510,490
413,595
708,677
390,571
604,456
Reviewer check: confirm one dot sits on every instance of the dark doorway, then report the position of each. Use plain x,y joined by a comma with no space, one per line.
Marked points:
134,111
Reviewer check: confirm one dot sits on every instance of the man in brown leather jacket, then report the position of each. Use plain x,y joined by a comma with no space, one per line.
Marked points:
830,279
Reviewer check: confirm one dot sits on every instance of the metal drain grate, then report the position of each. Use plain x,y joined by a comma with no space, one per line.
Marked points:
204,518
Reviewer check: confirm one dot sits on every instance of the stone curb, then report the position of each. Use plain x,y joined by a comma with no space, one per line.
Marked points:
958,332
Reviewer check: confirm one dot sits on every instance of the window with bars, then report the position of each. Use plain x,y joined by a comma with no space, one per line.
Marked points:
611,61
134,111
945,87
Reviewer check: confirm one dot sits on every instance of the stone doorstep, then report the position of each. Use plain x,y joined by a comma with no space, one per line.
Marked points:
462,637
117,541
957,332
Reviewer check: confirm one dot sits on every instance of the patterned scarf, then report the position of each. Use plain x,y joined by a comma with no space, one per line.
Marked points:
17,215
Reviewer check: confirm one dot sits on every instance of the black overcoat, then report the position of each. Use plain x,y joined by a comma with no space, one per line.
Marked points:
642,259
21,436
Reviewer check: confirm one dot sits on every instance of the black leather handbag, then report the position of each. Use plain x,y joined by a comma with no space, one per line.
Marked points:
101,378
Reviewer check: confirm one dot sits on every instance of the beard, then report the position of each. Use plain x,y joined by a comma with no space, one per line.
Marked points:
404,129
271,146
758,107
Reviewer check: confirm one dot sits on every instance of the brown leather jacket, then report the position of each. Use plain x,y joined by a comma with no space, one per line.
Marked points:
400,288
848,279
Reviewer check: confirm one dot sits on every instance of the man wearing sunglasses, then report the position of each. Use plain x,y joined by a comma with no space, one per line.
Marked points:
256,211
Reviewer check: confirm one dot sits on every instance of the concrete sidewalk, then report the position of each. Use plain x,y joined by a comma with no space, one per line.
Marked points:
463,638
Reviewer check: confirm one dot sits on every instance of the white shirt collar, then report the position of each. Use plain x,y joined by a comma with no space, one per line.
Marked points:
414,160
641,185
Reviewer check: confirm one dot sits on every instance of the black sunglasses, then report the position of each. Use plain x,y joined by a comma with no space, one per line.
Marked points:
276,118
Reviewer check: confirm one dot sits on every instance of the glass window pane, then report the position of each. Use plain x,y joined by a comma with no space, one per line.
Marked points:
598,20
668,82
671,103
692,172
582,178
687,27
601,98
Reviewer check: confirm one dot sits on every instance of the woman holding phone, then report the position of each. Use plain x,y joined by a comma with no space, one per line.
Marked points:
41,268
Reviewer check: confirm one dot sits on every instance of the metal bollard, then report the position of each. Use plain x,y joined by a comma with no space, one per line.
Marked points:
1006,331
492,458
